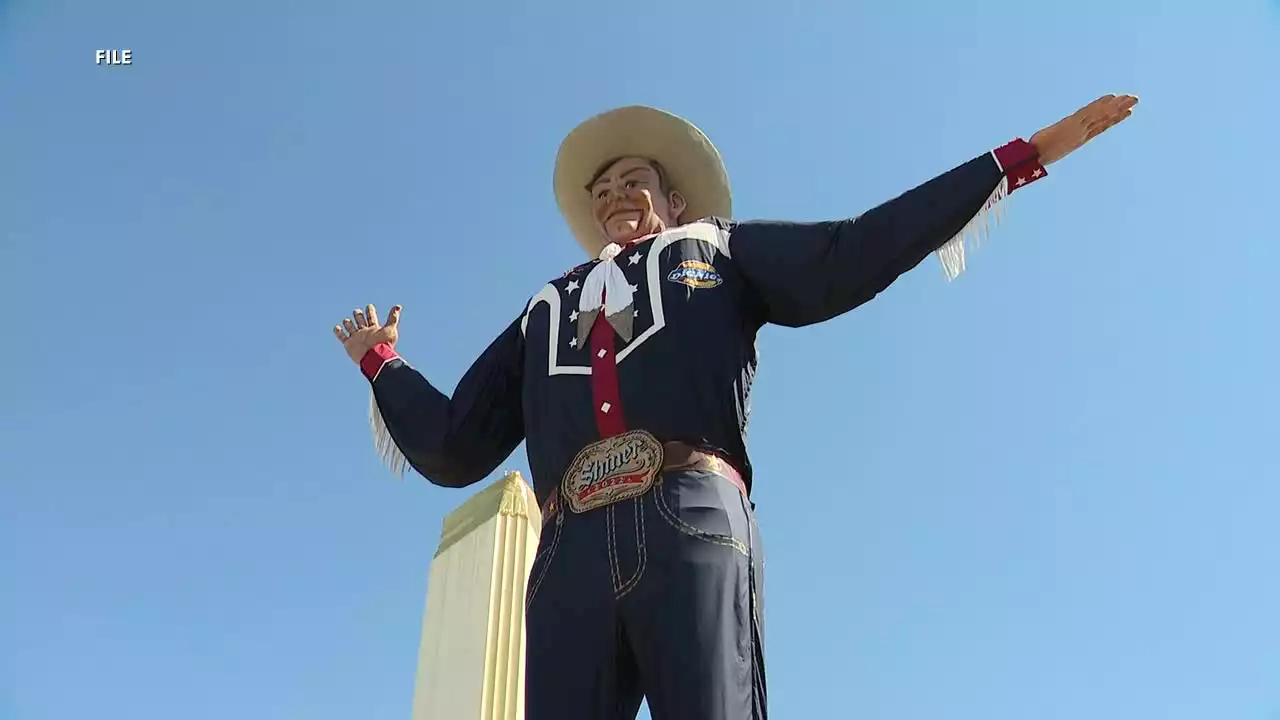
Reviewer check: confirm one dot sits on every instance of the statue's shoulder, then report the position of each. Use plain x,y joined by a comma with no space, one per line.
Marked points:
575,273
711,230
721,224
565,283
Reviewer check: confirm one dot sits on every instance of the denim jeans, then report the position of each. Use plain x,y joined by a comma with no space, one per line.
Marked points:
657,597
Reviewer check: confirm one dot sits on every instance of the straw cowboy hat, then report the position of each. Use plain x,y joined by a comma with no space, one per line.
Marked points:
692,163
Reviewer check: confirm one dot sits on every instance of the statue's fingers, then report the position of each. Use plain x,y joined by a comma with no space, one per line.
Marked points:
341,334
1095,126
1102,101
1104,115
1094,130
393,317
1096,112
1083,114
1118,108
358,316
350,326
371,314
1106,124
1115,116
1096,109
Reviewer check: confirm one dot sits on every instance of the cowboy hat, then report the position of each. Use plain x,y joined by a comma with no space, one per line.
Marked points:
693,165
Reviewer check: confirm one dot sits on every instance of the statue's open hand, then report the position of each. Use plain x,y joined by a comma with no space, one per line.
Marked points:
1068,134
360,332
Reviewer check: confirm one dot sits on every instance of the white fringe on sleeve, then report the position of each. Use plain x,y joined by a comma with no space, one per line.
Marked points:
387,450
952,254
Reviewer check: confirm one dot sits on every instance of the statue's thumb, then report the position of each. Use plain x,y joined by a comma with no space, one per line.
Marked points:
394,317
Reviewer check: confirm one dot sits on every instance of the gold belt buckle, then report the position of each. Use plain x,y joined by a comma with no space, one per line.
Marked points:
611,470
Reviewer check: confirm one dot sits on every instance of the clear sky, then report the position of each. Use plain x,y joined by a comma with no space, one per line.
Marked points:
1047,490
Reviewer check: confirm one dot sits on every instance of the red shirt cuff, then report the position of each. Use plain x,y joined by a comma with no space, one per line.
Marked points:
378,355
1020,162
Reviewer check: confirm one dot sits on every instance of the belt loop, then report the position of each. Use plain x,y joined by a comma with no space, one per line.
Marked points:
551,506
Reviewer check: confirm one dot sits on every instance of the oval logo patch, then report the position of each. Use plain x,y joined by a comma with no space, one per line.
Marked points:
695,274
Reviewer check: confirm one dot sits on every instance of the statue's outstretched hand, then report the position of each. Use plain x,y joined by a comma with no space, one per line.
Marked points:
1068,134
360,332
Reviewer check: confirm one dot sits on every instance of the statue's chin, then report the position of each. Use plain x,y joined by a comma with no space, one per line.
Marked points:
624,231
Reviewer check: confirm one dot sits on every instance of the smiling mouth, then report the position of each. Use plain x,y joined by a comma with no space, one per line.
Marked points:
621,214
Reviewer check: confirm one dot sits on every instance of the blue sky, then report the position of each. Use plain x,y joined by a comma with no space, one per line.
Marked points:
1047,490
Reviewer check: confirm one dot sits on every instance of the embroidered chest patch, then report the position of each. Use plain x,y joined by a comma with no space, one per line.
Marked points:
695,274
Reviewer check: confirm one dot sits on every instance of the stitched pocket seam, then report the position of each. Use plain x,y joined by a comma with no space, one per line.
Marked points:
683,527
549,554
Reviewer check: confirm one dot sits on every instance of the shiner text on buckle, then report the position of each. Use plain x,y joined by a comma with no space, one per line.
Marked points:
617,468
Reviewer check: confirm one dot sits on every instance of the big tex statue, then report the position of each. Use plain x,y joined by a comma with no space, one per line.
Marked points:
629,379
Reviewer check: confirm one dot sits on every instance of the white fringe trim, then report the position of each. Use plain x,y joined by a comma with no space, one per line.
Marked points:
952,254
387,449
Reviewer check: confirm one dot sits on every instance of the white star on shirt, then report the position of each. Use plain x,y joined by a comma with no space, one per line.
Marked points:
634,288
573,285
1022,181
635,314
1035,174
573,342
573,316
635,258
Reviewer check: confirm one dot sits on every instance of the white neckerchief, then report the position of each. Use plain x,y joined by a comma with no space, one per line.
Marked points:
606,287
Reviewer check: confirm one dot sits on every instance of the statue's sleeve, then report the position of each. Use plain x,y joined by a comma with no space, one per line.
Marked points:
452,441
804,273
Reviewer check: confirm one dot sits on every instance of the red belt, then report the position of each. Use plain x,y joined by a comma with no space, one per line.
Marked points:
675,456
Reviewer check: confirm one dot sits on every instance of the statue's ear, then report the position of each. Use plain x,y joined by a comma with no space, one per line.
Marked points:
677,203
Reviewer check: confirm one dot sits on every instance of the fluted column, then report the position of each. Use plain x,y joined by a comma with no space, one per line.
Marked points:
471,658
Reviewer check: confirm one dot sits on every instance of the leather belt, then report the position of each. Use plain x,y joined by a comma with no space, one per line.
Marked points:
675,456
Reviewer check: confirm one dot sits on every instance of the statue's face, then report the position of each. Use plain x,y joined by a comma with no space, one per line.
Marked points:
629,202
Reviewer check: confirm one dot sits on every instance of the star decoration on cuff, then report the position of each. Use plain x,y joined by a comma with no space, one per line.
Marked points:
1020,162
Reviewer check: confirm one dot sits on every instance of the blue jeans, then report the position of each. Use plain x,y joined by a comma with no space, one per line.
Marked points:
658,597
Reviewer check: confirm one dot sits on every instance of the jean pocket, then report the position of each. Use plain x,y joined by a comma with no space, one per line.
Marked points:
706,506
542,560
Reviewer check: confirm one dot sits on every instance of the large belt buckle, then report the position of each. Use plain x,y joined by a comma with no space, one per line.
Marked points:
611,470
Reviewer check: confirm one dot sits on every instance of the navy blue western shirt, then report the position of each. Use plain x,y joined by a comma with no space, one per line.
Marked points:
683,370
